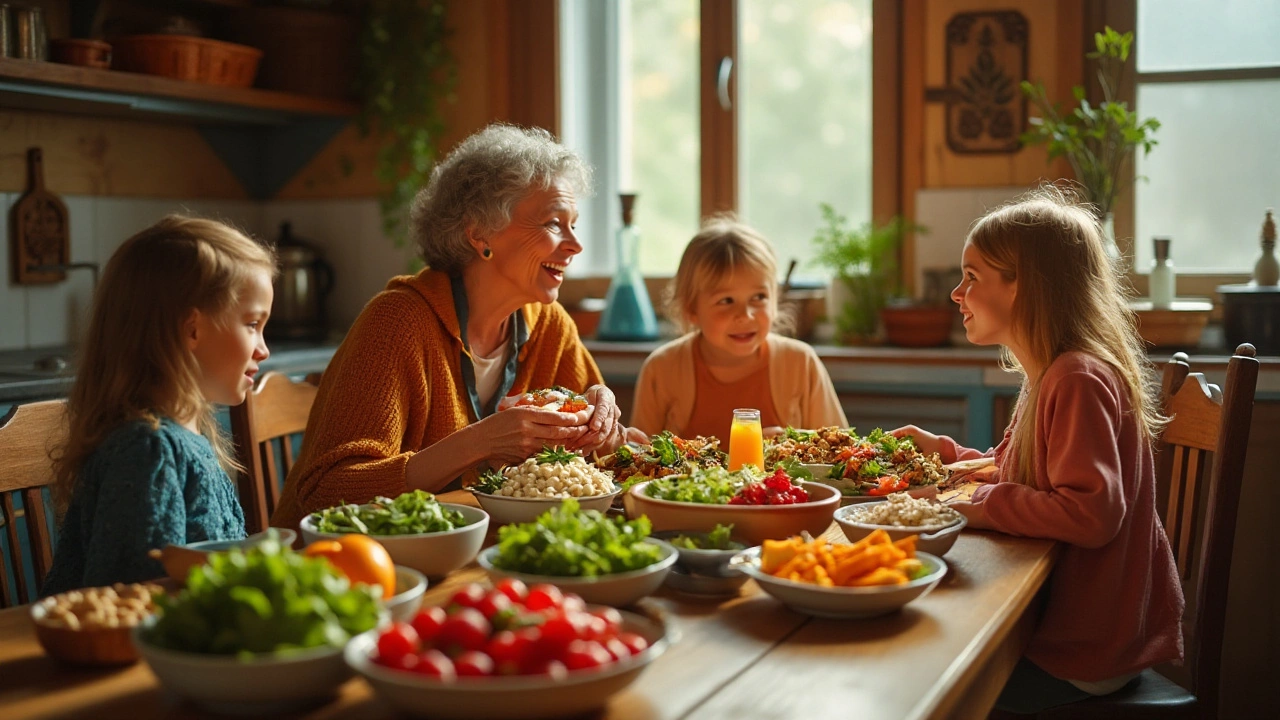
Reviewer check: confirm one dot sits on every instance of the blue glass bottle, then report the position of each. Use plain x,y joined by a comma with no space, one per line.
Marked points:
628,313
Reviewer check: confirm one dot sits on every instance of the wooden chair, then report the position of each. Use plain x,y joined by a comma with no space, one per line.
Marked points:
27,433
262,427
1198,518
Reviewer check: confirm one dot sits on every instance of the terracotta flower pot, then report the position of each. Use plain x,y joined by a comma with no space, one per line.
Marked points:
918,325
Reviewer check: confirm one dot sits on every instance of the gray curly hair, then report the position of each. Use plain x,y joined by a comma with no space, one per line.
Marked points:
478,184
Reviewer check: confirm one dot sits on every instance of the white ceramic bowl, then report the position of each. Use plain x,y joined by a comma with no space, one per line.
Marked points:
262,686
507,510
934,539
432,554
618,589
752,523
410,587
513,697
841,602
707,586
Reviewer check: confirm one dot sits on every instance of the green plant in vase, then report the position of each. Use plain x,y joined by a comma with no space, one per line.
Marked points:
406,72
1098,140
864,266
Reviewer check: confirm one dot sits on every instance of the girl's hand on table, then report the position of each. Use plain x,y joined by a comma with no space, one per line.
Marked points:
602,433
926,442
975,513
516,434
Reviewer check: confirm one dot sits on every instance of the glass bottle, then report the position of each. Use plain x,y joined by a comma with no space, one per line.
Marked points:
746,440
1267,270
628,313
1162,280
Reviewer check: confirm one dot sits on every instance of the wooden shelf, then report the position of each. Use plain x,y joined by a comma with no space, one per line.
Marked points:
73,89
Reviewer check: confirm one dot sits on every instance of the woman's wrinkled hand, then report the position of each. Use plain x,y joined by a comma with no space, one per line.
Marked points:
513,435
603,431
926,442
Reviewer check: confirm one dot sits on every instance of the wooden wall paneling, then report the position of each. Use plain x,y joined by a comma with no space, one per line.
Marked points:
719,137
112,157
1050,24
886,122
533,67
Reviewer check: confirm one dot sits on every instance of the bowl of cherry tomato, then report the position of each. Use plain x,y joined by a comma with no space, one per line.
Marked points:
513,651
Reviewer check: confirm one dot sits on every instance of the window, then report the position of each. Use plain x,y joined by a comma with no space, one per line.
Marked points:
1214,85
633,88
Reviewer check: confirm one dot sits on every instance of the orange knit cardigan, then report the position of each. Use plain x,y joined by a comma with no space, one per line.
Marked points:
395,387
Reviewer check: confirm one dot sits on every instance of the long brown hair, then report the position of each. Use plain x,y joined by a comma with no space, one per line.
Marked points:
1070,297
134,362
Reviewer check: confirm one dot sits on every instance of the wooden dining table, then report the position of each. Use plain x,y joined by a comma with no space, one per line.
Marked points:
945,655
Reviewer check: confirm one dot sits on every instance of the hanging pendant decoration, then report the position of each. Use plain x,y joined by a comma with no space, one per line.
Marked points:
986,63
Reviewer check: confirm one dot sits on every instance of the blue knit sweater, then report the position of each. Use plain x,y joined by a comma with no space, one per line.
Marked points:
142,488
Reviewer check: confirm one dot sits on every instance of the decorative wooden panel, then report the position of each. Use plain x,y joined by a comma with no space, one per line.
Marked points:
986,63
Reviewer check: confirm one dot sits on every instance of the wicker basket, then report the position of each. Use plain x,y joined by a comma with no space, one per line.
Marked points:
187,58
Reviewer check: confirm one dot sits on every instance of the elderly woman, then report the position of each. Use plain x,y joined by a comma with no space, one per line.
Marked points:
409,399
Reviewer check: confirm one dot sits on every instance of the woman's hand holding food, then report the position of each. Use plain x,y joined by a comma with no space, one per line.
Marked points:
515,434
603,431
926,442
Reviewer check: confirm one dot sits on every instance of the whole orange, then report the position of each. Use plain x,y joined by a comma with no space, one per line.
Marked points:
361,558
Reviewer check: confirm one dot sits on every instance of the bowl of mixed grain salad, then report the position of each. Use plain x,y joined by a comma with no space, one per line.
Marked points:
936,525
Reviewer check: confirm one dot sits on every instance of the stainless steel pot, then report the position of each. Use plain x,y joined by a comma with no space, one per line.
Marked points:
305,280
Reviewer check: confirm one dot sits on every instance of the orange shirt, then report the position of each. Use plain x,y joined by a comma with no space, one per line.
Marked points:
715,401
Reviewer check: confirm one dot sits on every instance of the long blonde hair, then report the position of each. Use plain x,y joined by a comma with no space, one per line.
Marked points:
1070,298
722,246
134,362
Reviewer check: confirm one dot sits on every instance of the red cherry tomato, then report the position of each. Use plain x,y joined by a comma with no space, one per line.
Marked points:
513,588
557,633
617,649
493,603
397,641
473,663
508,651
555,669
612,618
635,643
465,629
573,603
585,655
469,595
543,597
427,623
434,663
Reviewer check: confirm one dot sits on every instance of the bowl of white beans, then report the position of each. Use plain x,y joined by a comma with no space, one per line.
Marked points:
935,525
536,485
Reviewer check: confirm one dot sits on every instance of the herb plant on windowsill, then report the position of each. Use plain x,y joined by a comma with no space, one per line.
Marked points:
864,266
406,72
1098,140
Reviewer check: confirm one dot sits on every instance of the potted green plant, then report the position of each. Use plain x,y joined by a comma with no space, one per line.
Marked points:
864,266
405,73
1098,140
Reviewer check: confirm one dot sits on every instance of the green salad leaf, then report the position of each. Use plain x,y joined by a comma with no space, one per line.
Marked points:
490,482
412,513
799,435
664,448
567,541
557,454
708,486
261,600
717,539
796,470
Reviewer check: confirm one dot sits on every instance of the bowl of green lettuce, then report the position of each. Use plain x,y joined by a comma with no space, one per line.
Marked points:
606,559
418,531
259,630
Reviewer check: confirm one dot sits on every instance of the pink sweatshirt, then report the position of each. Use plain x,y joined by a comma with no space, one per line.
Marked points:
1115,603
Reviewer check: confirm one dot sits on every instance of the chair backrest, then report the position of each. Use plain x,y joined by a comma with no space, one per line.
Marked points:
27,434
262,427
1206,420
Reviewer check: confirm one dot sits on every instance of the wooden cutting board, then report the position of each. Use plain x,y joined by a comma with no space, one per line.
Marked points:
40,230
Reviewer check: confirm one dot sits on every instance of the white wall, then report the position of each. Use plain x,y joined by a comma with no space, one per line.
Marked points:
348,232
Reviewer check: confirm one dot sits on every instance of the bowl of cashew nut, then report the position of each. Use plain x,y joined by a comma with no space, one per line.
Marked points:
92,626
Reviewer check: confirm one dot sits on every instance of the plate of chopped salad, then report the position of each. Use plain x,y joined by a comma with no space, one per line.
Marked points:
664,456
559,399
861,467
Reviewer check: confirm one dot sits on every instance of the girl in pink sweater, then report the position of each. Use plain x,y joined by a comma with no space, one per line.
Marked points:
1075,464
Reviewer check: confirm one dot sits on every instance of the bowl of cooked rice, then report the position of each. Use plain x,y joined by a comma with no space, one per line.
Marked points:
935,525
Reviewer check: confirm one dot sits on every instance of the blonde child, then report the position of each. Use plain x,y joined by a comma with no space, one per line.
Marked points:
725,297
176,327
1076,463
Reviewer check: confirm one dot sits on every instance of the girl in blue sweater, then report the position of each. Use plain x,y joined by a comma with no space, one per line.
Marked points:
177,327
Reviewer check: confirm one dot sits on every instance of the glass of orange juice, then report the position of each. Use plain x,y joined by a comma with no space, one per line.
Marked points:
746,440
